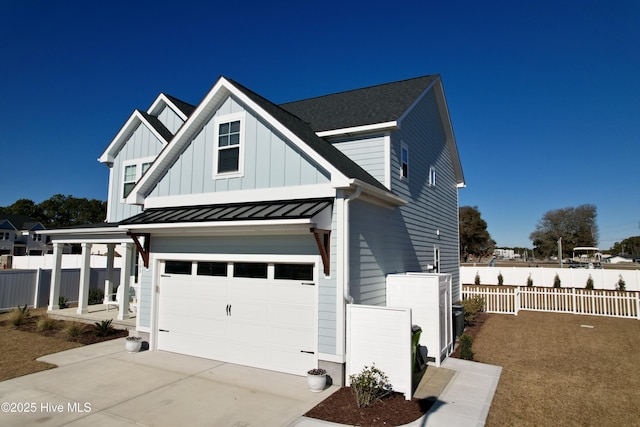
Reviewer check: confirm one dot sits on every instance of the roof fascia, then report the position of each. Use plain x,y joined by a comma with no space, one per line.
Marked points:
220,91
393,125
376,195
134,120
81,231
294,226
161,101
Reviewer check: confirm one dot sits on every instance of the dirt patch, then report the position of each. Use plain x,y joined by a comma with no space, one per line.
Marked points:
22,345
394,410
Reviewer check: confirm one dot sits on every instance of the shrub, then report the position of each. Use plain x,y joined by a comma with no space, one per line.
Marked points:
63,302
556,281
477,279
472,306
19,315
369,386
46,323
622,286
589,283
466,344
529,281
500,279
74,330
104,328
96,296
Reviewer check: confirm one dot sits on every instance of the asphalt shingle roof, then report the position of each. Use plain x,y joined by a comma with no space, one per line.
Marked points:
185,107
359,107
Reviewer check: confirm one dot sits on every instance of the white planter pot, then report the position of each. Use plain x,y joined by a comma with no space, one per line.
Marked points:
133,346
317,383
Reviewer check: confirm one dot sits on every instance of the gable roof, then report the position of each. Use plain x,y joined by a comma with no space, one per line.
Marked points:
343,170
186,108
334,156
360,107
21,222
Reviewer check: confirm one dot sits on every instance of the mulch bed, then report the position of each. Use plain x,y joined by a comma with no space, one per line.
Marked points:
472,330
393,410
86,337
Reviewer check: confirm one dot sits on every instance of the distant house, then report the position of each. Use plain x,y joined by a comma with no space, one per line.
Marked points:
247,227
18,237
619,259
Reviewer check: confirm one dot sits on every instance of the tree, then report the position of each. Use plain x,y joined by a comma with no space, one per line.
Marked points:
576,226
60,211
474,237
629,246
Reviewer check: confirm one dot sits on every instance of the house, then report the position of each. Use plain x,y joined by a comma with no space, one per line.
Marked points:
250,226
18,236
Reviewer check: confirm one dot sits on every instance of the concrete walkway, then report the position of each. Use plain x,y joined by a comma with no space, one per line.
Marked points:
103,385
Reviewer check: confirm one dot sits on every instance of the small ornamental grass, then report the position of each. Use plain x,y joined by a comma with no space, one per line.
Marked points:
19,315
369,386
46,323
74,330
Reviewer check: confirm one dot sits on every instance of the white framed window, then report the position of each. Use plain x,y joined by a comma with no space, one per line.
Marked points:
432,176
436,259
133,170
404,161
229,145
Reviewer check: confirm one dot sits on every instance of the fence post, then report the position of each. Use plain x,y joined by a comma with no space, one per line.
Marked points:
36,291
573,300
517,300
638,305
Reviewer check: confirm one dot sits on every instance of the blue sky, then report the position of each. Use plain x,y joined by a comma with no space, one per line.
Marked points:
544,96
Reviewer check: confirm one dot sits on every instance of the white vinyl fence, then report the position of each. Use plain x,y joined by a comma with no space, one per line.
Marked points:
510,300
35,262
544,277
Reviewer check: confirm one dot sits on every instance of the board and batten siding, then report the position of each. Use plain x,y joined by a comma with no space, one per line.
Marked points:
368,152
140,145
270,161
170,119
431,209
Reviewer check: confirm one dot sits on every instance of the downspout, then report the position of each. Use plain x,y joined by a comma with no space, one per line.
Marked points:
347,282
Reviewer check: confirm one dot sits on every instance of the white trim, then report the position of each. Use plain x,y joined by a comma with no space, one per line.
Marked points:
291,226
131,124
387,160
217,121
156,107
241,196
432,176
393,125
326,357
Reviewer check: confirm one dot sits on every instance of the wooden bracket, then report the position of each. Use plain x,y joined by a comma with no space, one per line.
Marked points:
144,250
323,240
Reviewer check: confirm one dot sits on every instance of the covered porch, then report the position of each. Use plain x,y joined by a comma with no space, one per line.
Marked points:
118,305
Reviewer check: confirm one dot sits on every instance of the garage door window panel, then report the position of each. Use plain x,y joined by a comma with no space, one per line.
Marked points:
212,269
253,270
294,272
178,267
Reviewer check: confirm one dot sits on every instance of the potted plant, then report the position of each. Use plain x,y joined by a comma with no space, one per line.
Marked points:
317,379
133,344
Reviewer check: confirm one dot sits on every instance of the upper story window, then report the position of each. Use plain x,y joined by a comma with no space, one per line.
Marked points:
404,161
432,176
133,171
229,139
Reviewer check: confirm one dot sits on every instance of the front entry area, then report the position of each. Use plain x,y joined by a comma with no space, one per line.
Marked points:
259,314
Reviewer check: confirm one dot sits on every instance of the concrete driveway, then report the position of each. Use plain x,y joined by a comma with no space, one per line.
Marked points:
102,385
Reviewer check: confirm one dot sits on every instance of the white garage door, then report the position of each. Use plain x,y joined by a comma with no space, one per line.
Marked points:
255,314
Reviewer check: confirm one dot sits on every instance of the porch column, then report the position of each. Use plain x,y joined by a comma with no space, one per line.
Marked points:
85,277
108,282
56,268
125,280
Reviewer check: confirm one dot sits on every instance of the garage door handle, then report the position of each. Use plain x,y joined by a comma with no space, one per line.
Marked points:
163,330
228,309
308,284
308,352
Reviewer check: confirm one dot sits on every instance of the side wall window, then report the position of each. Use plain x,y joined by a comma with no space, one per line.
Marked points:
404,161
133,171
432,176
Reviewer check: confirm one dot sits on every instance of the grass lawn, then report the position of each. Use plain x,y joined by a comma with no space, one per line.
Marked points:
21,347
556,372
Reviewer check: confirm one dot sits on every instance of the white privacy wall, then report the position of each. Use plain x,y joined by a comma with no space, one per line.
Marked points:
68,261
544,277
380,336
